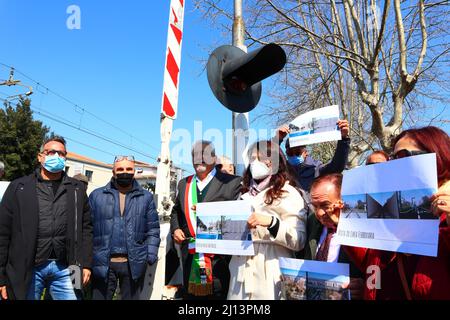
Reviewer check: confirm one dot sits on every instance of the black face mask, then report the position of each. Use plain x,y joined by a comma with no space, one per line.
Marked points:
124,179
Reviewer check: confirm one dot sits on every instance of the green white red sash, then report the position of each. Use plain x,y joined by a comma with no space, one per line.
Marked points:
190,200
200,277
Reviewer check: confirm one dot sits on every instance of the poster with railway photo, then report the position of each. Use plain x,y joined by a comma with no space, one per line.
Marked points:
222,228
387,206
313,280
315,126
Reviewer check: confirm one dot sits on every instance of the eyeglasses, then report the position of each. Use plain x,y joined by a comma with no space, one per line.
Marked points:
52,152
121,158
325,207
404,153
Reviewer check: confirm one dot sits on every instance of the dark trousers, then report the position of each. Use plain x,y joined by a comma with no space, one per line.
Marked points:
104,289
221,277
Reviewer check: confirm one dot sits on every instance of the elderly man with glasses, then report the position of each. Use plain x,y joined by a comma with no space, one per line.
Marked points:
126,233
322,244
45,230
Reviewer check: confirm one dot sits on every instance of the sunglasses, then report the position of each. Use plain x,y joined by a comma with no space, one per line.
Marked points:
121,158
404,153
53,152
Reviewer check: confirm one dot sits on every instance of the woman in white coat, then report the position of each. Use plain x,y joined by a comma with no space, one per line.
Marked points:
277,225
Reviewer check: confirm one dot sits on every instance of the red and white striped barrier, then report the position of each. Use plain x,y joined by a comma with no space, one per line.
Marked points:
173,59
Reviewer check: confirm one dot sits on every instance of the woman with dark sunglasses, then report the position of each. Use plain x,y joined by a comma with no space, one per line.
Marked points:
406,276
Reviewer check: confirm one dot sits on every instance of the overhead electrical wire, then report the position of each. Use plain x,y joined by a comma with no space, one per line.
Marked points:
93,133
77,107
73,125
89,146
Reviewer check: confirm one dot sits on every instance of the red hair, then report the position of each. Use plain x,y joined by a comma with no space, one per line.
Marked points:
433,140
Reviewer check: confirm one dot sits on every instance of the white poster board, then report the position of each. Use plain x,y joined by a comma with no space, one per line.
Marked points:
315,126
387,206
222,228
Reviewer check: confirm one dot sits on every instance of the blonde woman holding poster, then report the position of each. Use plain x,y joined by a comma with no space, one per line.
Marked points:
277,225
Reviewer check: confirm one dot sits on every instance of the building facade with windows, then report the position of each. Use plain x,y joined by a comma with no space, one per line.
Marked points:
100,173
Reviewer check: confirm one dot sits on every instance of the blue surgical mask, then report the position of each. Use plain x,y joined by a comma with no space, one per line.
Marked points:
296,160
54,163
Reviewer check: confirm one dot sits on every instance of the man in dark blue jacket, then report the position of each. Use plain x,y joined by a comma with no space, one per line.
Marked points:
305,167
126,233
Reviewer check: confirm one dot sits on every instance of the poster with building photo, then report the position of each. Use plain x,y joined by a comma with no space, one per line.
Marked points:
315,126
222,228
314,280
387,206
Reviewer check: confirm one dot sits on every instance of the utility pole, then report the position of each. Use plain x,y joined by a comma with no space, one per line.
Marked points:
235,77
11,82
240,120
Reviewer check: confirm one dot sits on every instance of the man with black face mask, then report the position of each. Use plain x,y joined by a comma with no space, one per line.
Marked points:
126,233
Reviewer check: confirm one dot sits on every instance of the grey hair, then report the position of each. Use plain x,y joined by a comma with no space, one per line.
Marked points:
2,166
203,151
204,145
53,138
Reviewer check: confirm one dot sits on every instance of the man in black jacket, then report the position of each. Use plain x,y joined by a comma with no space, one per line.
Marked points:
45,226
207,185
305,167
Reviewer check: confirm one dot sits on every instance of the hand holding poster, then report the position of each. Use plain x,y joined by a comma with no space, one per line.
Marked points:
314,280
315,126
222,228
387,206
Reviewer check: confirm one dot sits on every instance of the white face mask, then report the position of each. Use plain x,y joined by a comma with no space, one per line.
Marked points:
201,168
259,170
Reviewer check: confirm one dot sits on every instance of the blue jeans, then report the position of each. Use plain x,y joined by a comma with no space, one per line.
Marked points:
55,277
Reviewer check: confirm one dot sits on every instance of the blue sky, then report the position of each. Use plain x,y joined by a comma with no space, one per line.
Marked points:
113,67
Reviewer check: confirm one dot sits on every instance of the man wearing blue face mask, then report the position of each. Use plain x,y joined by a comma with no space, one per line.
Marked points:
304,167
45,226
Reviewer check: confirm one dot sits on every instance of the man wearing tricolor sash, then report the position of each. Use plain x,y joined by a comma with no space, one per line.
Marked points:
204,275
